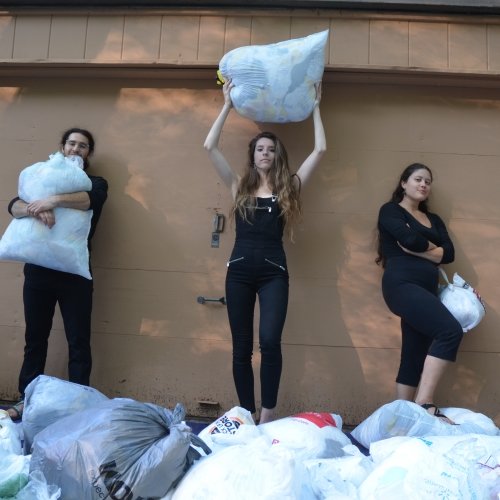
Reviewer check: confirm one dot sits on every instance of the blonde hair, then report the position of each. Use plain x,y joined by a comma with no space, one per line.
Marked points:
280,182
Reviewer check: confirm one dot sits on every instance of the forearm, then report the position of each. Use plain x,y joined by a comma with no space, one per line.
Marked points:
78,201
319,132
213,137
434,255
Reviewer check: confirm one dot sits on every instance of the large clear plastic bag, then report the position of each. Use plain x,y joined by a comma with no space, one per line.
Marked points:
48,399
275,83
119,449
64,246
463,301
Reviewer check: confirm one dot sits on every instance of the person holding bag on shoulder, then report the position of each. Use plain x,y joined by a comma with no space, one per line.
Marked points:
412,244
266,202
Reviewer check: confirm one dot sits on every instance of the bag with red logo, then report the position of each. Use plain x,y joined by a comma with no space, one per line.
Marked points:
462,300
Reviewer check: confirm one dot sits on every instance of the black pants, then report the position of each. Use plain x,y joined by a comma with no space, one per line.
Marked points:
256,272
410,287
43,288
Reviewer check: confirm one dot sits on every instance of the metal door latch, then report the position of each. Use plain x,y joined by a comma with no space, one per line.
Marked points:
218,227
202,300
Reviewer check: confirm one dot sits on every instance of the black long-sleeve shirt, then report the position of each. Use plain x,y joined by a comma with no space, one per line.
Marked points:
397,225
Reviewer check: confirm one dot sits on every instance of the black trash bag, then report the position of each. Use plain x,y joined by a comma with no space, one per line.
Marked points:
120,449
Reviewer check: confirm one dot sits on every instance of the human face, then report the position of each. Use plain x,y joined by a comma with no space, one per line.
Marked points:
264,154
418,185
76,145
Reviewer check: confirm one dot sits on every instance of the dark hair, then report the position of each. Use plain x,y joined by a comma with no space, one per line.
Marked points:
398,195
87,134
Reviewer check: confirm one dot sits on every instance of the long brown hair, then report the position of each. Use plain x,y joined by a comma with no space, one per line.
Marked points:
398,195
280,181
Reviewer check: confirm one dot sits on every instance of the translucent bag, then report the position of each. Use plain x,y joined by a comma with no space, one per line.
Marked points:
275,83
462,300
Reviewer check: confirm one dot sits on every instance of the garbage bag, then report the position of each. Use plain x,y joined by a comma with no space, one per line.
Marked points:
463,301
434,467
64,246
249,471
275,83
13,474
10,440
118,449
38,489
404,418
48,399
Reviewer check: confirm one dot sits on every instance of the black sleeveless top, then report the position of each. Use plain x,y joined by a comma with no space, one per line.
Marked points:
263,227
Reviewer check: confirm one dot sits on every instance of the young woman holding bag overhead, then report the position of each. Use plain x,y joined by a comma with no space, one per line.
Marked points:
266,203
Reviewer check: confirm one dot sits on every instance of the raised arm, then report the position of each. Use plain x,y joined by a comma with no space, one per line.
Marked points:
226,173
311,162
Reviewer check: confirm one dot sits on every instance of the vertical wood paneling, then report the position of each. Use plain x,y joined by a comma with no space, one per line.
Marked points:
67,37
389,43
267,30
7,27
211,41
493,39
179,38
238,32
468,46
350,42
141,38
31,39
428,45
104,38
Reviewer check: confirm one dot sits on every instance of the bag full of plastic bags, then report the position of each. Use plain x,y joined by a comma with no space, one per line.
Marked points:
48,399
275,83
248,471
64,246
38,489
13,474
118,449
225,425
404,418
463,301
10,440
309,434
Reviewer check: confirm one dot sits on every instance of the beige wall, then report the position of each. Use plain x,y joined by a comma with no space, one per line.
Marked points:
152,255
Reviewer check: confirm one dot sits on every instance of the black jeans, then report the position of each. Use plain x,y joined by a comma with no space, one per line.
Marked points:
256,272
43,288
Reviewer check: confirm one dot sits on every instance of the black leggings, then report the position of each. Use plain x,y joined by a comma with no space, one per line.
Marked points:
43,288
410,288
256,272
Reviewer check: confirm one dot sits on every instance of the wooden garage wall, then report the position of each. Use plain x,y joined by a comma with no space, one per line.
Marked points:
337,315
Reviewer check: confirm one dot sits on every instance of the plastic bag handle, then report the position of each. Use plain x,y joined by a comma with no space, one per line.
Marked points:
443,274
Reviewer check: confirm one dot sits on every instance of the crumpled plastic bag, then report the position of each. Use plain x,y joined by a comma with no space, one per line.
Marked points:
404,418
13,474
463,301
432,467
118,449
275,83
48,399
249,471
38,489
64,246
10,440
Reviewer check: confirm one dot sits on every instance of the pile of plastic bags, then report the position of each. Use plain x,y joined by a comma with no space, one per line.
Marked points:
81,445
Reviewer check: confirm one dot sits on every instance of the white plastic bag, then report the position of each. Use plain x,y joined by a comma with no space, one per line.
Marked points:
48,399
275,83
404,418
246,472
227,424
13,474
10,441
38,489
462,301
64,246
